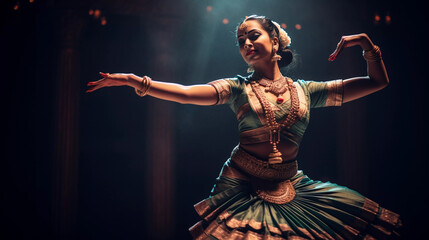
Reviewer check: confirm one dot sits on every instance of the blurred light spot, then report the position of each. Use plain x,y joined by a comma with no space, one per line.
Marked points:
103,21
283,25
91,12
16,7
225,21
31,1
209,8
97,13
298,26
377,18
388,19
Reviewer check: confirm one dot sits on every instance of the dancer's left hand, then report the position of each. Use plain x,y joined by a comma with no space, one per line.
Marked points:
352,40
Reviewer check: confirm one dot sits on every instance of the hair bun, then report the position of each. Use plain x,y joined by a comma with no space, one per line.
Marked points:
287,57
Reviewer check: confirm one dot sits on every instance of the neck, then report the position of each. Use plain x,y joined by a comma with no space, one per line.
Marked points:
269,71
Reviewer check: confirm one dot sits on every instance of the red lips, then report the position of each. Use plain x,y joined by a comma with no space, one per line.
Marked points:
251,51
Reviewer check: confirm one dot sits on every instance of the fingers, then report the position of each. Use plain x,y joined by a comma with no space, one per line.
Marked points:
340,47
108,80
105,75
95,85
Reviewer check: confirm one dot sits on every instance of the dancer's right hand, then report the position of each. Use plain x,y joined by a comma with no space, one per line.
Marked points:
110,80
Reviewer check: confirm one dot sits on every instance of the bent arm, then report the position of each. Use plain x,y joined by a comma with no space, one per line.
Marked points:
201,94
376,79
358,87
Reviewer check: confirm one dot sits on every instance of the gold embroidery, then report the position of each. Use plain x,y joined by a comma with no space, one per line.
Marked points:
274,192
235,223
202,208
306,233
382,229
335,93
389,217
369,237
223,90
322,235
212,215
197,231
350,232
262,169
370,209
221,231
224,215
274,229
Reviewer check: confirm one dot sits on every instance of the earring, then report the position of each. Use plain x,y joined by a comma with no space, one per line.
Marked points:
276,57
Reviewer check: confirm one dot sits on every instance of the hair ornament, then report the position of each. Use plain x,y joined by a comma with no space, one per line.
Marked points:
284,37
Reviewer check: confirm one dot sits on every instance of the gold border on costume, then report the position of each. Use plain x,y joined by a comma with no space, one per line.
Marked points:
335,93
223,90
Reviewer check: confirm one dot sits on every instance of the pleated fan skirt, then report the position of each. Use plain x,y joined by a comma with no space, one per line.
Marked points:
318,210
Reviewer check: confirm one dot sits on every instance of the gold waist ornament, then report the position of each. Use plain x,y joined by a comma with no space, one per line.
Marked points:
263,169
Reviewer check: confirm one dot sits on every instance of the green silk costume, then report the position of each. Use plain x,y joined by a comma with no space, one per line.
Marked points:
318,210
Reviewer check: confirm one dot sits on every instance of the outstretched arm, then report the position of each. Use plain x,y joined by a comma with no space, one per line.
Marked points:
202,94
377,78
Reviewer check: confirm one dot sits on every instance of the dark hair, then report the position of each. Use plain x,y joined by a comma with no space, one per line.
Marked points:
268,25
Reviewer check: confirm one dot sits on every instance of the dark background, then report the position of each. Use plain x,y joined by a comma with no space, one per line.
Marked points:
375,145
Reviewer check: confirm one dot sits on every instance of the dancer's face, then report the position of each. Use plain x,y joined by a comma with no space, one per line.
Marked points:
255,44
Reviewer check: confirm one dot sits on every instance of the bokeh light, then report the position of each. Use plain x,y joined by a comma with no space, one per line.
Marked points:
298,26
209,8
377,18
388,19
103,21
97,13
283,25
225,21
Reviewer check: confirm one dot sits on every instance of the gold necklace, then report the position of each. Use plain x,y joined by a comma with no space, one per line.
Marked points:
275,127
277,87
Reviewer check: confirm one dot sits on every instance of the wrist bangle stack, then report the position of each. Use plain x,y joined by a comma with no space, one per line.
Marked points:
372,55
144,90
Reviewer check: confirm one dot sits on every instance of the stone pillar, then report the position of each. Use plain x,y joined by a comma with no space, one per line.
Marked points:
65,165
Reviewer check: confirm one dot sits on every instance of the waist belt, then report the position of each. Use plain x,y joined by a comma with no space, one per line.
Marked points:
262,169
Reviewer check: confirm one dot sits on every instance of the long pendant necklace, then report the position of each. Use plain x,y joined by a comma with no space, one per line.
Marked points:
275,127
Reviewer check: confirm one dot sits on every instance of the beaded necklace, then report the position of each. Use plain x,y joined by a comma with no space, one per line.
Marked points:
275,127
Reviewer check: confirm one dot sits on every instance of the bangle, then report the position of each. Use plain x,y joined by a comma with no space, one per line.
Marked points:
372,55
144,90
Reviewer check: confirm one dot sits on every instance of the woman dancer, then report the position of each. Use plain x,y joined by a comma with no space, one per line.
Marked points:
260,194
